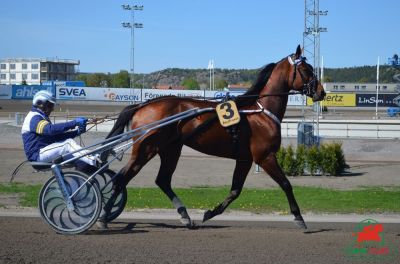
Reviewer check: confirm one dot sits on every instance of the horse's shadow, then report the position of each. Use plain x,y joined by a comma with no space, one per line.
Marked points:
309,232
194,227
127,229
350,174
142,227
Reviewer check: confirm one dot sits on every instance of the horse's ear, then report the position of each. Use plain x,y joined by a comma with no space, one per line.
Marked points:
298,52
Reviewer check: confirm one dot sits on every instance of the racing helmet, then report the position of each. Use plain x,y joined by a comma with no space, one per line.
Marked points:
43,96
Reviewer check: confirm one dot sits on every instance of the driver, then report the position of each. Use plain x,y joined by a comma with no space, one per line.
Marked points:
44,141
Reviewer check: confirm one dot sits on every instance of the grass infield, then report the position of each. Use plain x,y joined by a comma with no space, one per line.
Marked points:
310,199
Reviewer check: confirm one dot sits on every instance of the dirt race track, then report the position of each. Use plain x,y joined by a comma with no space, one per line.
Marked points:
30,239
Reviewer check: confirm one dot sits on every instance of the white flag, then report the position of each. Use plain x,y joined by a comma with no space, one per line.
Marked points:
210,64
377,71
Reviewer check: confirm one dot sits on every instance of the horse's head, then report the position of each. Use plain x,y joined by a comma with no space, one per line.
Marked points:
303,78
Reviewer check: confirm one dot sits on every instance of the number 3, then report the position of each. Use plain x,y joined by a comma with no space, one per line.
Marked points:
228,111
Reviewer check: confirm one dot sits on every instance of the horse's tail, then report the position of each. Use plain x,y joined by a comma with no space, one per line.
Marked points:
122,121
126,115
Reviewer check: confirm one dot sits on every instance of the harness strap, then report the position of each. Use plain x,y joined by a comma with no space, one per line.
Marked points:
270,114
265,111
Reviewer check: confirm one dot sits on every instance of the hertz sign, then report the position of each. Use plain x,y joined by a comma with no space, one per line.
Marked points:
337,99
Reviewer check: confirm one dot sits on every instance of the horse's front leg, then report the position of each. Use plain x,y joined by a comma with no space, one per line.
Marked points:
271,166
239,177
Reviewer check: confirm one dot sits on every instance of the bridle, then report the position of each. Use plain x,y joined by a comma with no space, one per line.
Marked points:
309,88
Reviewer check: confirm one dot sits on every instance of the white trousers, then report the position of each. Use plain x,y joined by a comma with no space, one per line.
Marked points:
53,151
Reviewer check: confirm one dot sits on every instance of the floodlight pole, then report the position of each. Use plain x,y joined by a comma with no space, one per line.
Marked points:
377,90
132,25
311,42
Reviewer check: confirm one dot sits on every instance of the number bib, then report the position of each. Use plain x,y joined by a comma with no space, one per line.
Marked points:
228,113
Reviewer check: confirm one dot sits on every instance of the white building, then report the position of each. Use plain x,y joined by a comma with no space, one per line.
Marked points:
362,87
36,71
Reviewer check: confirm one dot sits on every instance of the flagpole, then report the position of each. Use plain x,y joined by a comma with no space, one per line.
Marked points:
377,90
213,73
209,67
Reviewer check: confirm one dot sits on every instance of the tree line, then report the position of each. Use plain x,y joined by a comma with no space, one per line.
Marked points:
200,78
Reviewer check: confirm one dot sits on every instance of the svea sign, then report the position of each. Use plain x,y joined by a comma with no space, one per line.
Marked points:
71,93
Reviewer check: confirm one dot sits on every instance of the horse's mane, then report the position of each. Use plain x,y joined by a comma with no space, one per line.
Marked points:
250,96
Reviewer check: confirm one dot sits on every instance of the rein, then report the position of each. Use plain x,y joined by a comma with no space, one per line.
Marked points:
96,121
93,122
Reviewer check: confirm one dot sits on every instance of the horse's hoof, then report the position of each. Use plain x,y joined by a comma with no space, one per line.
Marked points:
299,222
207,216
187,222
101,225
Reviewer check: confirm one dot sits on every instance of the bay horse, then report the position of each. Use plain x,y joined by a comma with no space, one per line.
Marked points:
257,137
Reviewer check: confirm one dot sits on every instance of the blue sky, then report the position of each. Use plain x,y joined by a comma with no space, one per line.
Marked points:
187,33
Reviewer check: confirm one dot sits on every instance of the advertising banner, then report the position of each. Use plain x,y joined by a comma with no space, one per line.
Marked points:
98,94
337,99
220,94
65,83
5,92
26,92
369,100
148,94
138,95
294,99
122,94
297,99
74,93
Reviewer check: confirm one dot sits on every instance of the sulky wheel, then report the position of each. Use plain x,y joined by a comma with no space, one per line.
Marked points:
86,202
105,187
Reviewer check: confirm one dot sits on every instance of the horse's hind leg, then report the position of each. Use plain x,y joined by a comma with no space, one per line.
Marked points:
239,176
129,171
271,166
169,159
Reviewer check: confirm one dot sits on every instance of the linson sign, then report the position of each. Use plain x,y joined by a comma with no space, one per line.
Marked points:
369,100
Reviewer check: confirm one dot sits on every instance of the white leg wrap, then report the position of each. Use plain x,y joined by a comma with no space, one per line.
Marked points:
177,203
